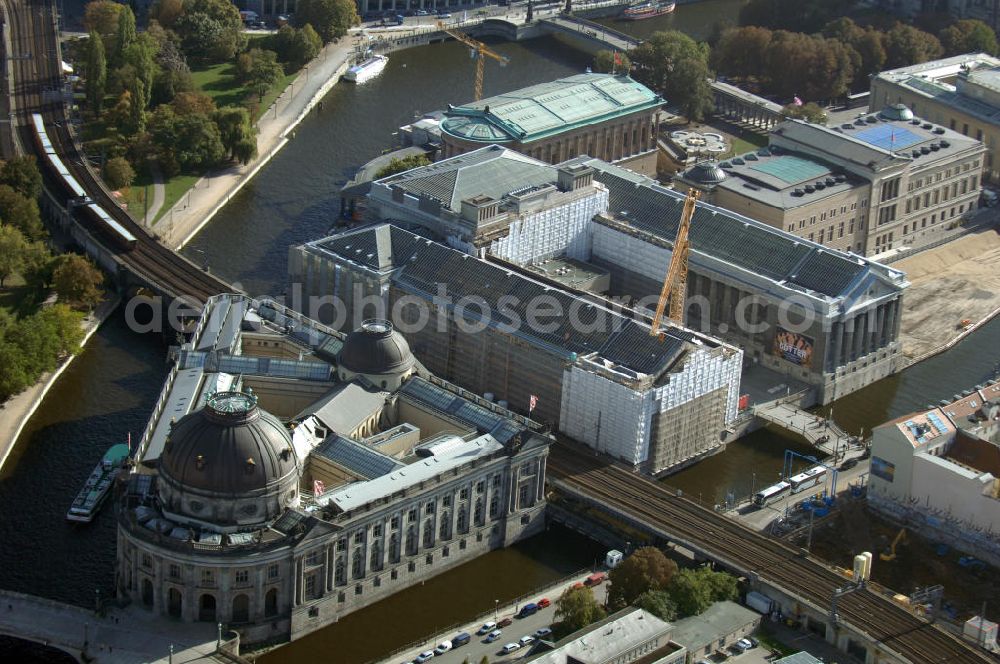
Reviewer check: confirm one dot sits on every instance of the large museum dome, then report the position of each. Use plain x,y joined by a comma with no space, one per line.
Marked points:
229,464
375,350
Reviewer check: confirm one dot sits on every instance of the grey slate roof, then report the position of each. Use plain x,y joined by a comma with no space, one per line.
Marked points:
344,407
740,241
357,457
419,265
477,417
493,171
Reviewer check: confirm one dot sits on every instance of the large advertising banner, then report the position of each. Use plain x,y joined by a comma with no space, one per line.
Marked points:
883,469
794,347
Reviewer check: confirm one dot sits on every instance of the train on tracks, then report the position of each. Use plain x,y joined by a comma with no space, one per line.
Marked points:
76,196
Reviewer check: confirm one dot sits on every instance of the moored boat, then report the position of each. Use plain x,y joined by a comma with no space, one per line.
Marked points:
366,70
98,485
646,10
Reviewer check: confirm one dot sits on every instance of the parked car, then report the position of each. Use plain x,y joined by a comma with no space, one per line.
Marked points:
505,622
528,609
848,464
526,640
745,644
444,15
424,656
423,12
543,603
753,642
460,639
442,648
486,628
595,579
509,648
541,633
493,636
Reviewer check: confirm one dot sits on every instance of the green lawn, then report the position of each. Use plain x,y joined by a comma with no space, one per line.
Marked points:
219,83
176,187
747,143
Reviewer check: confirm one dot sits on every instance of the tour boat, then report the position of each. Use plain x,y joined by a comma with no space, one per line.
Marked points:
646,10
368,69
96,489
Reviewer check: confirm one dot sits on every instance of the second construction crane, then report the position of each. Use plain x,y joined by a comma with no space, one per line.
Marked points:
675,283
479,52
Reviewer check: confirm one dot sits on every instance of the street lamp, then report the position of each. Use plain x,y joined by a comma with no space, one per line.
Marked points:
496,609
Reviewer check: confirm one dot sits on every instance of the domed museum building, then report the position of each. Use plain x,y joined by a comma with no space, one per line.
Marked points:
281,485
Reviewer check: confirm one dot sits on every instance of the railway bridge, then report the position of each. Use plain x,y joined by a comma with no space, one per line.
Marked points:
74,198
866,623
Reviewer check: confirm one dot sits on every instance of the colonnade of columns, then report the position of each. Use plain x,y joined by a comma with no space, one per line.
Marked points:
863,333
745,112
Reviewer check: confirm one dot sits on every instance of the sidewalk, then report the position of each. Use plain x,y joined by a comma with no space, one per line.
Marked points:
16,411
123,636
476,648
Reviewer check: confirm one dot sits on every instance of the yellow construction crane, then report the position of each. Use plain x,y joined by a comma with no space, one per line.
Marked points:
675,283
479,49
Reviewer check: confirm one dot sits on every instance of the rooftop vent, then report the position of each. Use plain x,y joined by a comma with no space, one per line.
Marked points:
871,119
725,164
916,121
810,189
750,156
764,152
915,153
830,182
820,185
927,125
797,191
738,161
847,125
935,147
860,122
841,177
775,149
938,130
945,144
924,149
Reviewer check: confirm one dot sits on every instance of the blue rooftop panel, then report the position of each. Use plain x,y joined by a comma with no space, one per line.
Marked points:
889,137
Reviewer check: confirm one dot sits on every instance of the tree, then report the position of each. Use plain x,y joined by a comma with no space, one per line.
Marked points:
968,36
97,72
77,281
398,165
646,569
906,45
37,267
798,15
676,66
576,609
12,249
126,34
189,142
118,173
210,30
101,16
608,62
810,112
21,213
193,102
166,12
305,46
64,325
22,175
694,590
659,603
264,73
239,135
872,51
741,52
330,18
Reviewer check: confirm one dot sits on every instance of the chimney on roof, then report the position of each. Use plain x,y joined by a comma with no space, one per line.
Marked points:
575,176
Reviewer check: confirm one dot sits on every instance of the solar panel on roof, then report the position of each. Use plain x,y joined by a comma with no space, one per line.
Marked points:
889,137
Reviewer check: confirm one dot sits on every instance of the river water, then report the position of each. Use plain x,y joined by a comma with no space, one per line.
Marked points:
111,388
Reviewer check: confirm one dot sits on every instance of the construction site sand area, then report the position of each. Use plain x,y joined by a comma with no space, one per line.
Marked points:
949,284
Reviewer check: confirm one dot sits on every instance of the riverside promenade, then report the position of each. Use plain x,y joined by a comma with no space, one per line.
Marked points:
122,636
16,411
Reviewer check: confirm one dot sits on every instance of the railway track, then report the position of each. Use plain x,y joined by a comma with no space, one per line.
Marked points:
749,552
37,70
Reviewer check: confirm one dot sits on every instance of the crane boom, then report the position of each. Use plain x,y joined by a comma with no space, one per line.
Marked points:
479,49
675,283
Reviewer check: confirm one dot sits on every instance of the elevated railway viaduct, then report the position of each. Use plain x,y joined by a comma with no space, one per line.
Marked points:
34,85
868,625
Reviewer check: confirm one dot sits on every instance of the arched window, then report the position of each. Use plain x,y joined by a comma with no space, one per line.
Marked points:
429,533
206,608
340,573
394,547
175,603
463,520
376,557
412,543
241,608
271,603
445,530
147,592
479,512
357,564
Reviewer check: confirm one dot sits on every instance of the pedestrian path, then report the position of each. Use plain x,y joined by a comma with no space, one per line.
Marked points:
122,636
820,432
159,193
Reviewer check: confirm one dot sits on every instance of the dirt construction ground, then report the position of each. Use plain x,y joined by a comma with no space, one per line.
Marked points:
954,282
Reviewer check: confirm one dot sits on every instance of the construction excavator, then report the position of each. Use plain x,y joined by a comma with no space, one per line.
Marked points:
675,284
890,555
